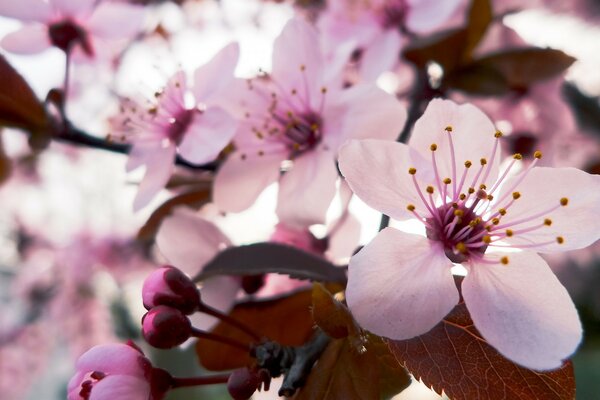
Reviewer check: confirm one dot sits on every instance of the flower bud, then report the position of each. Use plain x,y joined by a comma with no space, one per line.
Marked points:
165,327
242,383
168,286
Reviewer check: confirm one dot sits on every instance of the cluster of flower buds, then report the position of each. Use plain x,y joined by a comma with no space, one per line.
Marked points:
243,382
169,296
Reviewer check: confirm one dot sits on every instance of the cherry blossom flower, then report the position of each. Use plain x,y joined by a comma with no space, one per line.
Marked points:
170,125
69,24
374,26
493,223
294,118
117,372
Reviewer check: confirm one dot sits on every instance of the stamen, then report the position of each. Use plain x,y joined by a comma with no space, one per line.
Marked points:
452,160
497,135
433,149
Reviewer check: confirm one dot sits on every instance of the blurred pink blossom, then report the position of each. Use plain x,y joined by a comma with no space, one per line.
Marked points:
449,178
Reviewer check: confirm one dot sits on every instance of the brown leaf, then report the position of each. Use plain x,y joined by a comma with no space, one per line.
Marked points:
5,165
194,198
445,48
330,315
19,107
286,320
480,18
453,357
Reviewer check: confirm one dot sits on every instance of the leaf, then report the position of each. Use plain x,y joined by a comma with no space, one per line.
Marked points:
286,320
444,48
453,357
262,258
344,373
477,80
19,107
480,18
5,165
331,315
195,198
525,66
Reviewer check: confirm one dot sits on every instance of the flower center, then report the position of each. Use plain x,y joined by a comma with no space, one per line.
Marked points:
393,14
178,125
65,34
302,132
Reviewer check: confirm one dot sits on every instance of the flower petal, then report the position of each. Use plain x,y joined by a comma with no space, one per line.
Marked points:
116,20
26,10
73,8
207,135
381,56
377,171
241,179
542,189
523,311
120,387
400,285
189,241
426,15
30,39
159,158
306,191
472,136
219,292
214,76
111,359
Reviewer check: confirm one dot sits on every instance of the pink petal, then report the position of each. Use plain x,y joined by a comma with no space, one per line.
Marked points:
400,285
159,158
344,241
219,292
214,76
542,190
381,55
121,387
26,10
523,310
297,48
111,359
30,39
377,172
74,386
172,98
207,135
240,180
472,137
427,15
73,8
306,191
116,20
372,113
188,241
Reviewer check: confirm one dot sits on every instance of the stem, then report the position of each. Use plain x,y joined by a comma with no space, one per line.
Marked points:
229,320
221,339
199,381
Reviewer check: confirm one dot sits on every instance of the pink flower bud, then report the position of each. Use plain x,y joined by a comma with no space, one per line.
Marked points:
242,383
165,327
168,286
299,238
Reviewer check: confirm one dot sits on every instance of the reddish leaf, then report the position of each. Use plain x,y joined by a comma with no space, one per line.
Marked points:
286,320
453,357
480,17
331,315
19,107
5,165
444,48
195,198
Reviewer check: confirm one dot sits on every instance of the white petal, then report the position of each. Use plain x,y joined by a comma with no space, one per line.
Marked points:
214,76
30,39
159,162
381,56
26,10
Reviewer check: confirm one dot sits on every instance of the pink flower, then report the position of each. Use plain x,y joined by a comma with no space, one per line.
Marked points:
117,372
448,177
294,114
169,126
69,24
374,26
168,286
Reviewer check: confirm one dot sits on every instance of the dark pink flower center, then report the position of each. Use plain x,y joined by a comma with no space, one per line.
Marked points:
179,124
302,132
66,34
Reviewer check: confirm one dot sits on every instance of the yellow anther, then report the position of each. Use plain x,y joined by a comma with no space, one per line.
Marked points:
459,213
504,260
490,197
468,164
448,128
548,222
560,239
488,228
455,205
447,181
509,232
412,170
471,190
302,67
495,221
482,186
487,239
537,154
502,211
498,134
461,248
564,201
410,207
518,156
429,189
323,90
474,222
483,161
462,196
433,147
516,195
